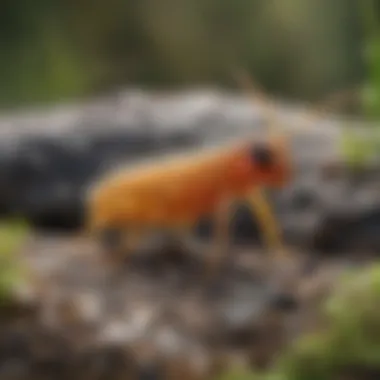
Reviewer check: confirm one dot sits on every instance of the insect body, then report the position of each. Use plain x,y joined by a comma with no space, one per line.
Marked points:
178,191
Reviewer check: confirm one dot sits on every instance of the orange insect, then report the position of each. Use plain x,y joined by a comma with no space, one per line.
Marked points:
174,193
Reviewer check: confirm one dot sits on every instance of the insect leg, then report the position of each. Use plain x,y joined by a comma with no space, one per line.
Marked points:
119,243
220,241
182,232
132,241
110,239
265,216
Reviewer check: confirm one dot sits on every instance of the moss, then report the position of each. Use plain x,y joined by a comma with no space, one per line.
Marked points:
240,374
350,341
352,338
12,235
357,149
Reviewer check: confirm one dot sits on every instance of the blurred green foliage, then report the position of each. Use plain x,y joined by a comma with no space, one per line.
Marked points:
360,149
349,345
371,46
54,50
12,235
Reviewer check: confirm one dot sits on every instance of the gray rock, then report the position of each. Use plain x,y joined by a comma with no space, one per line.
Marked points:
49,158
43,178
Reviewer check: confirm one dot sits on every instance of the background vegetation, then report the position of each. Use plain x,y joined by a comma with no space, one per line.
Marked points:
56,50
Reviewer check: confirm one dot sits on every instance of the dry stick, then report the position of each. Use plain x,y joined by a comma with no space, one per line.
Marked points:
258,198
312,115
260,202
284,270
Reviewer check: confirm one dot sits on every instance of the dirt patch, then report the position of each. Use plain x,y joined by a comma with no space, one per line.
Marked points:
156,315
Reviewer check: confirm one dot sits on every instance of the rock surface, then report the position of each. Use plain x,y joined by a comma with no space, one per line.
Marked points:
49,158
